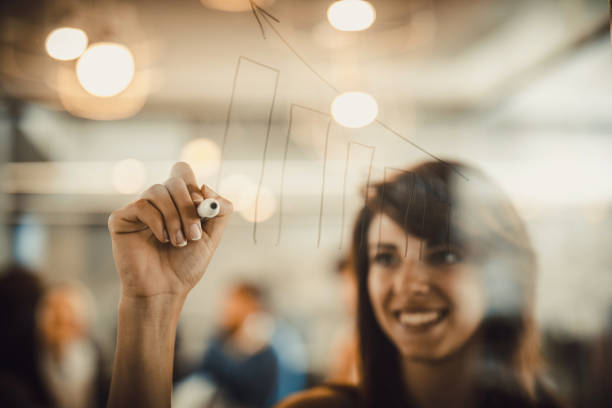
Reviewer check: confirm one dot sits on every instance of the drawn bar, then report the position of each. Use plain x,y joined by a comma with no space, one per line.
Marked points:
348,154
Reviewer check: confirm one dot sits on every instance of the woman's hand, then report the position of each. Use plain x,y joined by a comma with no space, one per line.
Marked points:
160,244
161,250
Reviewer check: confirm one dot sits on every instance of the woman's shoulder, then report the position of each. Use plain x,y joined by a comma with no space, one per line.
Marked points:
330,395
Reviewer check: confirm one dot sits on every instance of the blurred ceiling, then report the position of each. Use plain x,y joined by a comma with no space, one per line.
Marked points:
487,73
438,55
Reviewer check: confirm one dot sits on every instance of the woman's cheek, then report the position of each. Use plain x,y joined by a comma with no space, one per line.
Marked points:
376,290
467,296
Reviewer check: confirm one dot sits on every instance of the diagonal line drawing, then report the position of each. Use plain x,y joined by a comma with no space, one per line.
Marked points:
336,90
256,8
346,167
294,51
252,4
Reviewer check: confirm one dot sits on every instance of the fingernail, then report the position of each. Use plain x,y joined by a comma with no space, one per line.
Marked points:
196,232
166,237
197,197
180,239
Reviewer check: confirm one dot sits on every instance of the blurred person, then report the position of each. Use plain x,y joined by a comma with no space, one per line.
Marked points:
256,359
446,276
21,382
290,350
240,360
71,362
344,367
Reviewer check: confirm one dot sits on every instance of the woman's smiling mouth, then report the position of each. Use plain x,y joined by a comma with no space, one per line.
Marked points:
420,319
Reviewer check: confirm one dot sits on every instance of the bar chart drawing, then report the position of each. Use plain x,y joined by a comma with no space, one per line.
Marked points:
351,145
228,122
372,150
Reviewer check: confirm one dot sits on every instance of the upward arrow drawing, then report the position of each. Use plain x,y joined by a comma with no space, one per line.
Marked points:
266,16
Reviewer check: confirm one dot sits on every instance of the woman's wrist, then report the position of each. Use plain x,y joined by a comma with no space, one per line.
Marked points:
162,308
146,333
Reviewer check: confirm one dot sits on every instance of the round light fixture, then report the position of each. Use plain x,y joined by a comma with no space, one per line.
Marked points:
354,109
105,69
66,43
351,15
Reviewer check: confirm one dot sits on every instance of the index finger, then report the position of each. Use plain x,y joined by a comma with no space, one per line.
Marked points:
183,170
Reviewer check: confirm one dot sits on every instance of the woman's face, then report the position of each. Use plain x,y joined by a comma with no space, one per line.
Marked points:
427,300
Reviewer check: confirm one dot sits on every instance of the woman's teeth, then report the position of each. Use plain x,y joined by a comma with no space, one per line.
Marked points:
416,319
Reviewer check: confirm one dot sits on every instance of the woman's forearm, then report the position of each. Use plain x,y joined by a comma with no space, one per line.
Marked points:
146,331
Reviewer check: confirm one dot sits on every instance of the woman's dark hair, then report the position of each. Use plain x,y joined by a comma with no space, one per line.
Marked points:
451,203
20,294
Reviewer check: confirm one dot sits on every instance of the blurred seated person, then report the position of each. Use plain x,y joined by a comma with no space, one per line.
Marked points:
21,384
71,362
240,360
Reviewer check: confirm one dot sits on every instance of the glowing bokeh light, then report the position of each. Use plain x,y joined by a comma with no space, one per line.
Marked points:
203,155
354,109
66,43
351,15
239,189
76,100
266,205
105,69
129,176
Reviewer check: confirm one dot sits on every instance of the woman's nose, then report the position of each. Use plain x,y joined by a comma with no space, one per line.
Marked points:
412,278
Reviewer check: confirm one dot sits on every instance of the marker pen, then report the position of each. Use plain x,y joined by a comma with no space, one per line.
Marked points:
209,208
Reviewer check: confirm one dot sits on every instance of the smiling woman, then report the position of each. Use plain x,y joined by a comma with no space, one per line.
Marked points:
432,321
446,278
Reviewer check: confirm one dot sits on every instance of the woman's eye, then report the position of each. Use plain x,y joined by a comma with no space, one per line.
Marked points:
385,259
444,257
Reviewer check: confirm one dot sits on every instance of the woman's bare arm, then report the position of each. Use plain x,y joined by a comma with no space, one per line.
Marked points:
161,250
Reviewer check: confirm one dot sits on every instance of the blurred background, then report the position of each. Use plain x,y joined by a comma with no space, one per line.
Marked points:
290,107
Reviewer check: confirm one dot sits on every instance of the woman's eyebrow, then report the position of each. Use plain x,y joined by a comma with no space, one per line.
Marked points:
384,245
442,246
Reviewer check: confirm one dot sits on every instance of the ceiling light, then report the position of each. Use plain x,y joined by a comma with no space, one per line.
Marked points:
351,15
66,43
354,109
105,69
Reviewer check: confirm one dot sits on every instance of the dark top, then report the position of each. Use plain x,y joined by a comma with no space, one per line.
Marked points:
247,380
345,396
331,396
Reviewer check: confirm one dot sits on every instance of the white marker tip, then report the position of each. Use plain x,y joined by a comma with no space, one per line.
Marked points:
209,208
